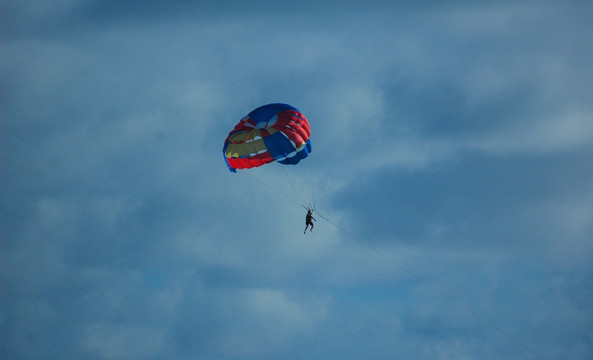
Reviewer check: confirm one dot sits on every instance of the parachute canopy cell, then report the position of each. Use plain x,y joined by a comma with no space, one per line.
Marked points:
273,132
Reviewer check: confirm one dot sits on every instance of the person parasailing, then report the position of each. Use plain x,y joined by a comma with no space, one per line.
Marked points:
271,133
309,221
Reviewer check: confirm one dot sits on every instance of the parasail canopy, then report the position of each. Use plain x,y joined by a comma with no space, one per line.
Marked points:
271,133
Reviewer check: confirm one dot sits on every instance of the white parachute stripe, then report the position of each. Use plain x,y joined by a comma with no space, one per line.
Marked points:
255,138
292,154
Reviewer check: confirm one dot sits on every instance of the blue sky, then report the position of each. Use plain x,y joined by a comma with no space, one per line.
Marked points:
452,147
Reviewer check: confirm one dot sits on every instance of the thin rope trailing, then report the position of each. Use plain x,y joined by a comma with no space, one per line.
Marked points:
392,261
434,290
400,266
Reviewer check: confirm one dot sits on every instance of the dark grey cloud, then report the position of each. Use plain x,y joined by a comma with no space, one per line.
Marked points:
475,188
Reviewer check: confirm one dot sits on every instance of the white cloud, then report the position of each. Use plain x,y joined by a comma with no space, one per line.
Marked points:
45,8
265,320
552,133
124,341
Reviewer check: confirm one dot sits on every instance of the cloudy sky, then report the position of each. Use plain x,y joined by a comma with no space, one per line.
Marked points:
451,169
